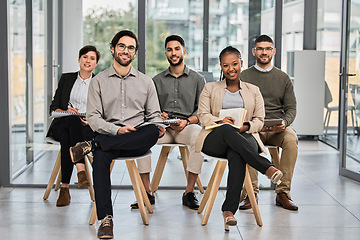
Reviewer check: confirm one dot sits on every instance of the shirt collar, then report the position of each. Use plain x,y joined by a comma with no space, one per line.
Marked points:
186,71
263,70
132,72
223,84
85,81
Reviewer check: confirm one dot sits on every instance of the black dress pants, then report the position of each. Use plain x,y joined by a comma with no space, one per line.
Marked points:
69,131
109,147
240,149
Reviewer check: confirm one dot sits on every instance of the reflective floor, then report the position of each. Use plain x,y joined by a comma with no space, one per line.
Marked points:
329,206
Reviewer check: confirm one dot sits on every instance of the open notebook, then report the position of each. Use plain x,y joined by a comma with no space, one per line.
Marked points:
59,114
236,113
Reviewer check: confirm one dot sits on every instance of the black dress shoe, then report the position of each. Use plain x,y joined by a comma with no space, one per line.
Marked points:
151,199
245,204
190,201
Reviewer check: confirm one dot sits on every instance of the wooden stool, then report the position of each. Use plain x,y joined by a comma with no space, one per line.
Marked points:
275,158
165,150
138,186
213,187
56,172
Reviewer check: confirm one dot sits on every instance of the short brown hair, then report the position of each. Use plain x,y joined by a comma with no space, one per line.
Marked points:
88,48
121,34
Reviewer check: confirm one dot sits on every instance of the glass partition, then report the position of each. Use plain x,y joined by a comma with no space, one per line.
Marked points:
228,25
328,40
17,84
102,20
166,17
352,161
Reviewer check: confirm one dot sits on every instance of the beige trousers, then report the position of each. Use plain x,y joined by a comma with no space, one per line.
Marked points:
288,141
188,137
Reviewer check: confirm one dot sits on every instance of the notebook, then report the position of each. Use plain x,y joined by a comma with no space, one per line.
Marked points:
58,114
236,113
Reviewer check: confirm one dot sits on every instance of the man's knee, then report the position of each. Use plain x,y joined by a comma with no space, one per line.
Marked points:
290,138
101,159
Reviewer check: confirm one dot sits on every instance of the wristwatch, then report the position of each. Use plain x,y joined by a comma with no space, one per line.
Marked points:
188,122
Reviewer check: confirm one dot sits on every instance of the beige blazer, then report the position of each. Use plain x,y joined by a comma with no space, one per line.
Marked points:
210,103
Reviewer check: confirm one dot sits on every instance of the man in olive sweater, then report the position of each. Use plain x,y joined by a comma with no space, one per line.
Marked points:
280,103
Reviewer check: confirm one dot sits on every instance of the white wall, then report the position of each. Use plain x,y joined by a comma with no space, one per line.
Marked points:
72,39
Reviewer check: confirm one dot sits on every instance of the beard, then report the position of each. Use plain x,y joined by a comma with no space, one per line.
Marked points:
263,61
122,62
181,59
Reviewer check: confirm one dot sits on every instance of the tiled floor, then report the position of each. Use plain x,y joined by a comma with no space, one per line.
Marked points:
329,207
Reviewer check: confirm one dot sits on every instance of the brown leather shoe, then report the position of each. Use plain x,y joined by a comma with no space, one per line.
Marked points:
105,230
82,180
283,200
64,197
245,204
78,151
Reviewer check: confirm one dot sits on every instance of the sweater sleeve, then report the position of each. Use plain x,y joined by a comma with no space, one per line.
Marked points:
289,103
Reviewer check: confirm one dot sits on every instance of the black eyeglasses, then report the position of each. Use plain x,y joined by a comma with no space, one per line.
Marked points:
267,49
122,47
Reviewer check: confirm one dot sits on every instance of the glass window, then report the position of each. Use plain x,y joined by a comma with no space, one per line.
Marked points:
228,25
39,74
21,152
17,85
328,40
292,29
102,20
166,17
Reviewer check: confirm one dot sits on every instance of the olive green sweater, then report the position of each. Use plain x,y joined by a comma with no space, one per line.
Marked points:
277,90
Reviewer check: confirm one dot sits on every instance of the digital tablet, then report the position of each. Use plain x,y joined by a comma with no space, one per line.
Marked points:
272,122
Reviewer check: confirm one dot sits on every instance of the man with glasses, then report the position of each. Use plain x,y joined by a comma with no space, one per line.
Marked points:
178,89
280,103
119,98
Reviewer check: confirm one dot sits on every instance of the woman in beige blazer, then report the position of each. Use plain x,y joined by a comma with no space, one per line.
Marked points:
239,146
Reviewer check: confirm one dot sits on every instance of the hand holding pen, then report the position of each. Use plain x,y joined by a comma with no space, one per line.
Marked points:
72,109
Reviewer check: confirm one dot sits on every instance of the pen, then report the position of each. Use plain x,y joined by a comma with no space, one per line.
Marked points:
69,103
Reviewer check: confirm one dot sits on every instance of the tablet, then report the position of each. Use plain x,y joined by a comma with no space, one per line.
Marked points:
272,122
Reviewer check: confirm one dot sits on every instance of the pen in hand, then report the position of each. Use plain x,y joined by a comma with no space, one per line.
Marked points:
71,106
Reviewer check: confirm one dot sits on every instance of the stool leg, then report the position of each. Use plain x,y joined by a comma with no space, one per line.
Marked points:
218,176
93,215
251,195
143,192
58,180
184,158
53,176
184,152
131,166
88,177
208,189
160,167
136,176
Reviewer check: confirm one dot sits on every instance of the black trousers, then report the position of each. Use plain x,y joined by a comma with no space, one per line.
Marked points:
240,149
109,147
69,131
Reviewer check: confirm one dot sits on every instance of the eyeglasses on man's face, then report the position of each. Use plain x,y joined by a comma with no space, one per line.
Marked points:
121,47
267,49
